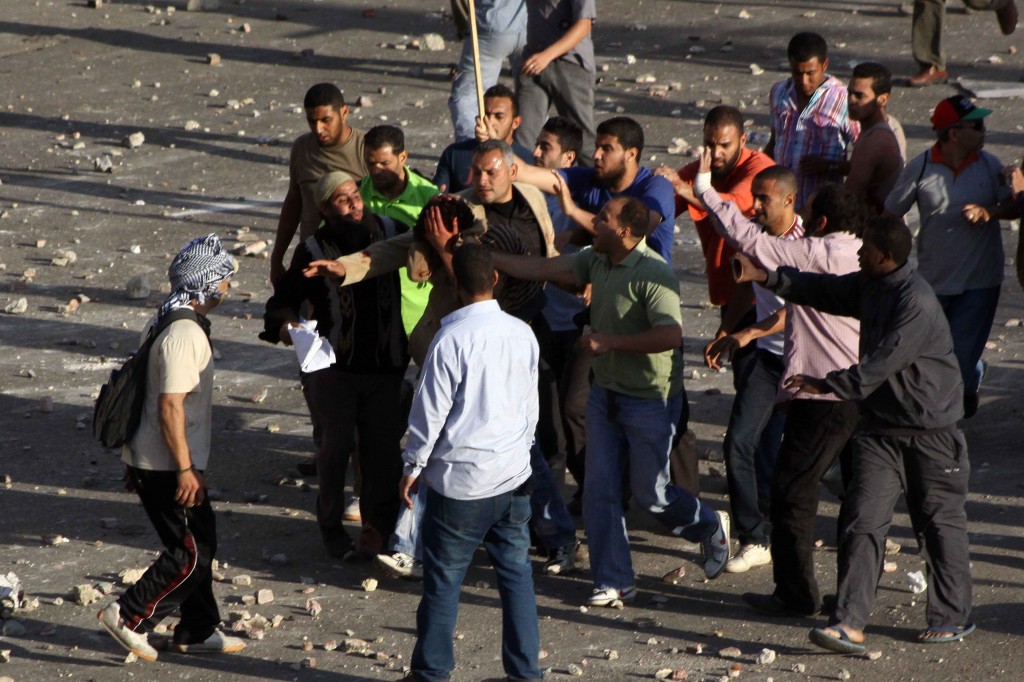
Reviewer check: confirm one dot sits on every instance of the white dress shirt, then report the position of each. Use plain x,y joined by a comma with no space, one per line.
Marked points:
475,411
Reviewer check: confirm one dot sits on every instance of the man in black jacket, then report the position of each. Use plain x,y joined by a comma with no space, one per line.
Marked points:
361,392
911,397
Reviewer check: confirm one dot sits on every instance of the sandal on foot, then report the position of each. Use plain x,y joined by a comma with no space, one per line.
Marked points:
953,633
841,644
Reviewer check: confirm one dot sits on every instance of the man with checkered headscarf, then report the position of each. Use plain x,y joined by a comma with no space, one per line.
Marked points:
165,463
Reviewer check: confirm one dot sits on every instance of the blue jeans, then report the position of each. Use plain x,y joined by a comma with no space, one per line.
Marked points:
970,316
452,530
752,445
551,520
623,431
494,49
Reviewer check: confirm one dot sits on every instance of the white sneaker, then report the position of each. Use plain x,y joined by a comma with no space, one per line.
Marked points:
716,548
402,565
351,512
137,643
748,557
217,643
606,596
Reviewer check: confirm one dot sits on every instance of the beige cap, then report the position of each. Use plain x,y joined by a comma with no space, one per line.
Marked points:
327,184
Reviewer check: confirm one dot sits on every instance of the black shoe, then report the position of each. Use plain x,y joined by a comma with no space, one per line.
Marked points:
828,604
339,545
770,605
307,468
575,505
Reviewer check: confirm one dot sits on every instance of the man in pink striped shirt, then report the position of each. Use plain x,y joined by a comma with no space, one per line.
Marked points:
817,427
811,128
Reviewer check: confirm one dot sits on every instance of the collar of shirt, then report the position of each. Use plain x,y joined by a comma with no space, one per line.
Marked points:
796,230
826,85
634,256
413,181
478,308
936,157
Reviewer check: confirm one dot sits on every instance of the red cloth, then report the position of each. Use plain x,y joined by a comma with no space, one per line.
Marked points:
938,158
735,187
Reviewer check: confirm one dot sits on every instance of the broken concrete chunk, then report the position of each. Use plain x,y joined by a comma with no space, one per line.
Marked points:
766,657
130,576
313,607
431,42
83,595
213,59
103,164
242,580
134,140
730,652
53,539
191,125
17,307
369,585
756,70
264,596
138,287
575,670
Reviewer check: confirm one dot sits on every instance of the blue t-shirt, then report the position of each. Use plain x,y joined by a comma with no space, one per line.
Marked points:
562,306
457,159
655,191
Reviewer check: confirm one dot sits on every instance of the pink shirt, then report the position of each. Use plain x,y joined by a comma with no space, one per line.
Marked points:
816,343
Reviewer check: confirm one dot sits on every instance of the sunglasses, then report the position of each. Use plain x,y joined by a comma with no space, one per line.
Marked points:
975,125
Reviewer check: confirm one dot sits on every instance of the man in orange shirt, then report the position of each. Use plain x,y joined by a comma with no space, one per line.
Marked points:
733,168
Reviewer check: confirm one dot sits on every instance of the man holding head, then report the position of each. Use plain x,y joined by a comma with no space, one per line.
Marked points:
637,395
501,118
330,145
958,191
811,129
616,173
881,149
907,384
817,428
470,433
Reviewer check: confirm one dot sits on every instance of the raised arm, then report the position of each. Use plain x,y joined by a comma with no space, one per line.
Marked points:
558,270
377,259
287,224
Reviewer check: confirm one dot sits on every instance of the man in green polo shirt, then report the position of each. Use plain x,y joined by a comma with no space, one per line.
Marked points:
637,395
394,190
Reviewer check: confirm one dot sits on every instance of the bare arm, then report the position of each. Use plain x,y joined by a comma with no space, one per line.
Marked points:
557,270
653,340
730,343
539,61
171,411
287,224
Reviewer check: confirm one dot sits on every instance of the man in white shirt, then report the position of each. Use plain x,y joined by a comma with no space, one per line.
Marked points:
470,431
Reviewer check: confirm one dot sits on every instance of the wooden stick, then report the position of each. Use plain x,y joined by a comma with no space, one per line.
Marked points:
476,57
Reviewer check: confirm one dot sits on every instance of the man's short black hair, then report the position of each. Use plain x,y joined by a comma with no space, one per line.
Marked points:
473,267
724,116
889,235
453,209
628,132
842,209
323,95
379,137
502,91
635,215
803,47
570,136
881,77
784,178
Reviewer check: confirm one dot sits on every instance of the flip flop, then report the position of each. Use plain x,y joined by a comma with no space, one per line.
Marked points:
840,644
956,633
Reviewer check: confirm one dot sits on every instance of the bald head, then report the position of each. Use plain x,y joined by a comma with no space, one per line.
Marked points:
784,179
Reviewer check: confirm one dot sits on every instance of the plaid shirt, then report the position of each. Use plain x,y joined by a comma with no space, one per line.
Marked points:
823,129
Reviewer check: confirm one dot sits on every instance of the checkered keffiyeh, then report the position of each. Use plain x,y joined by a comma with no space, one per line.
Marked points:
196,271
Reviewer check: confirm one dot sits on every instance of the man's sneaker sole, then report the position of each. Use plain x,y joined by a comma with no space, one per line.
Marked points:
146,656
625,595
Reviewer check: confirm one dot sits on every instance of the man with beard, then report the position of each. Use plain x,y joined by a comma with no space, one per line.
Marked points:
360,394
810,126
881,148
501,115
616,173
329,146
394,190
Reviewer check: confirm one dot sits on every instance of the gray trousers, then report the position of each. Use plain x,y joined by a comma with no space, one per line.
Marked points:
932,469
567,86
926,29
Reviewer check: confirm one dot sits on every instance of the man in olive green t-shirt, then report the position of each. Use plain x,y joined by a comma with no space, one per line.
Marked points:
394,190
637,397
331,145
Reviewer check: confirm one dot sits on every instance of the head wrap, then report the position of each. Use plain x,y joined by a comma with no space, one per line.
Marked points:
196,271
330,182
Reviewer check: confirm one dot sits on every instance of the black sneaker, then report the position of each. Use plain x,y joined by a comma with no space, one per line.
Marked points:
339,545
562,560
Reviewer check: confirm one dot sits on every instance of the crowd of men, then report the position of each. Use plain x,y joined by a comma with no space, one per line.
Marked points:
517,317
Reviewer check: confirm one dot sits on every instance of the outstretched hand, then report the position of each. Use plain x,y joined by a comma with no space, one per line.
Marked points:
801,383
324,268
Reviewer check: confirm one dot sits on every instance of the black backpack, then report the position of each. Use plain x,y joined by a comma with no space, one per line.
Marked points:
119,407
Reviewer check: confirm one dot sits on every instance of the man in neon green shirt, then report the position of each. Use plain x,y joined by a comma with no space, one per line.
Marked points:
394,190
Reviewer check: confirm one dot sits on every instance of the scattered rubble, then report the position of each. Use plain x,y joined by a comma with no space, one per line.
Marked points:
133,141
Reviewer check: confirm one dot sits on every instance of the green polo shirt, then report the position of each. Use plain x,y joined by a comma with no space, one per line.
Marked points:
639,293
405,208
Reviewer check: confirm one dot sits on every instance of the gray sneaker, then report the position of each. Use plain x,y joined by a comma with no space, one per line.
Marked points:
562,560
716,548
401,565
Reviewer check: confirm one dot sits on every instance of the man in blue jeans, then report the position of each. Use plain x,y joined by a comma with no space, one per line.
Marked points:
637,395
470,432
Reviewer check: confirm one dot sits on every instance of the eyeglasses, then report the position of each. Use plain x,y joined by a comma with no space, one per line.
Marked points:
974,125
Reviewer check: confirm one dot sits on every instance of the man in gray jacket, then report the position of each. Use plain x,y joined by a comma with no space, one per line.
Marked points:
911,396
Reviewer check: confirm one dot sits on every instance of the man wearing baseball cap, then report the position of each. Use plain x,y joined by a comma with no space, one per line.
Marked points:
958,192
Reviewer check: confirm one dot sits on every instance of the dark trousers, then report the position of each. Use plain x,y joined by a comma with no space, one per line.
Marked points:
752,445
181,577
815,433
571,370
345,404
933,469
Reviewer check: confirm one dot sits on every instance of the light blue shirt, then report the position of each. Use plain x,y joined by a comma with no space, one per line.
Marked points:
475,411
501,16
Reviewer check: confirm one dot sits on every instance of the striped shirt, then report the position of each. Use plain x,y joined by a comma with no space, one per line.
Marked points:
816,343
767,303
822,129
